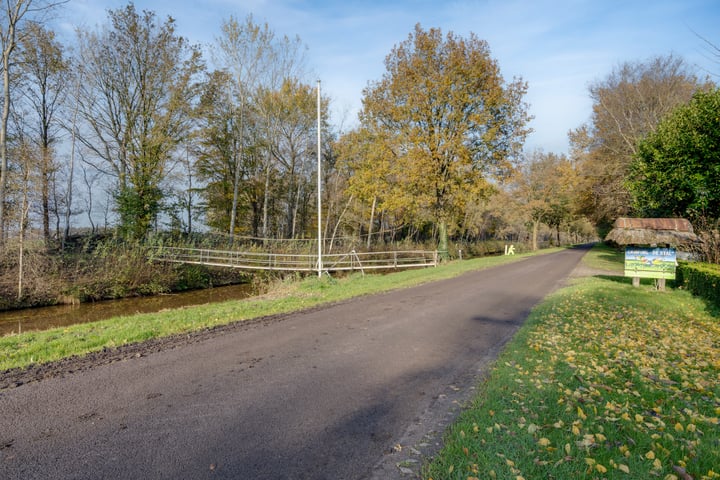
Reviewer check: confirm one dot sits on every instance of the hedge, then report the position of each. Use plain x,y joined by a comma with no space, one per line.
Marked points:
701,279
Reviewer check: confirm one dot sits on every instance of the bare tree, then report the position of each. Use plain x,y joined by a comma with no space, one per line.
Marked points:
12,16
45,75
257,60
627,105
246,51
139,84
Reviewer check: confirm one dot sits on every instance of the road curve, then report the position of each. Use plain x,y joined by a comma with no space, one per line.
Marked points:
334,393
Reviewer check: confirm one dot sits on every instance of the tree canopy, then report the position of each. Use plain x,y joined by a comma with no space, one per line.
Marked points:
446,120
627,105
139,84
677,169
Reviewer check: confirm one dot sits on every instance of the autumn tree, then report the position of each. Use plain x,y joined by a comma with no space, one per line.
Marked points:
449,122
628,104
139,84
255,60
45,76
544,187
365,162
13,15
291,141
215,147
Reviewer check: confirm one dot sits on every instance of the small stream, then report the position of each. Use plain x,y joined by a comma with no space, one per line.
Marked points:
43,318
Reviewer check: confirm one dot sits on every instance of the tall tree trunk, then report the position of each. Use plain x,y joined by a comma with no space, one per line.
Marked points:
557,230
4,128
45,188
238,162
295,207
443,240
372,220
25,206
266,197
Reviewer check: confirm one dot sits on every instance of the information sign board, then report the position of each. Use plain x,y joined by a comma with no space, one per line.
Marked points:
649,262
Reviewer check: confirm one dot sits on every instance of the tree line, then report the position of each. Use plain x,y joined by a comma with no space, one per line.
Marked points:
130,124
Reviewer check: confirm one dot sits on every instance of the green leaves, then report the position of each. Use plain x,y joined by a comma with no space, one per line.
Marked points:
677,168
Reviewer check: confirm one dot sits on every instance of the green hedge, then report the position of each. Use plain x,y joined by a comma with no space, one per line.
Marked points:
702,279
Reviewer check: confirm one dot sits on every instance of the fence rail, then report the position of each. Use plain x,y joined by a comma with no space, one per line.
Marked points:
298,262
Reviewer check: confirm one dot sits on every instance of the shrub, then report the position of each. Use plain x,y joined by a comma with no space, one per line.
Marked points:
702,279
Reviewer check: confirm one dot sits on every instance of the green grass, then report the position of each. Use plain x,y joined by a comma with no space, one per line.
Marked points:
604,257
46,346
603,381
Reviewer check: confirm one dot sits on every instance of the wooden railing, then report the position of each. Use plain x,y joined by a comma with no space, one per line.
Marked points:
298,262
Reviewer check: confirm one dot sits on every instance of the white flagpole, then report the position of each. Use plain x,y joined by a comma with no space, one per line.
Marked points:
319,184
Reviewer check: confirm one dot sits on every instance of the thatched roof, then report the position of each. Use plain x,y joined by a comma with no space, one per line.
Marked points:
652,231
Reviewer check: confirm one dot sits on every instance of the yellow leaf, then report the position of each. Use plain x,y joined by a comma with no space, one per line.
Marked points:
590,461
567,449
452,467
581,414
544,442
650,455
679,427
600,468
638,418
575,430
624,468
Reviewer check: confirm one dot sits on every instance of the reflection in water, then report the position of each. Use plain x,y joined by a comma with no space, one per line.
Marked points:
63,315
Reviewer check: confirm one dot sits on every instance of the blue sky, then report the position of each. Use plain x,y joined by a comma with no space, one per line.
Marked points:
558,47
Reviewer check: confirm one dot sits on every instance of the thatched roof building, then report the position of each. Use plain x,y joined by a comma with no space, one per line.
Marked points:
652,231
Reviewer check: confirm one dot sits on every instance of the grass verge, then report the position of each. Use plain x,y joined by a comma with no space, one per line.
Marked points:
603,381
50,345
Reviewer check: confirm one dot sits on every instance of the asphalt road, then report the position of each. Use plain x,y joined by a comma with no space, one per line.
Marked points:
343,392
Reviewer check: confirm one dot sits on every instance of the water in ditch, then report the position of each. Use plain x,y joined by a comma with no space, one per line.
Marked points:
44,318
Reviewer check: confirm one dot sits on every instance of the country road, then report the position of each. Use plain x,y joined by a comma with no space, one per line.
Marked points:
348,391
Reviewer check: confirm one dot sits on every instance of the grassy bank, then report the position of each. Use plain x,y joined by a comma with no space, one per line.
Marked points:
292,295
603,381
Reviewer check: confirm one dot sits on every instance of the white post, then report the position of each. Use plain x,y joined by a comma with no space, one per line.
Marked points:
319,185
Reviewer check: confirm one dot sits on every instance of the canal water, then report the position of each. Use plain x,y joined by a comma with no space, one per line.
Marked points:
43,318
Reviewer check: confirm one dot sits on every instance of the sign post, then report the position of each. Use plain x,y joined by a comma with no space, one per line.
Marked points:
650,262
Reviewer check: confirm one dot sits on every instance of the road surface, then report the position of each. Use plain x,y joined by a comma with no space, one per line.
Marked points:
348,391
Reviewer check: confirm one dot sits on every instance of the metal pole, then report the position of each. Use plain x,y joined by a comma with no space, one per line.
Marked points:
319,185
